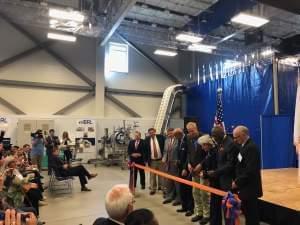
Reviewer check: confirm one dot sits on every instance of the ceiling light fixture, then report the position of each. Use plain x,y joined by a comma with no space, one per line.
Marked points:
267,52
65,15
202,48
61,37
249,20
165,52
189,38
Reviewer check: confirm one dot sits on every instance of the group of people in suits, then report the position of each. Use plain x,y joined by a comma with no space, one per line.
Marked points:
216,160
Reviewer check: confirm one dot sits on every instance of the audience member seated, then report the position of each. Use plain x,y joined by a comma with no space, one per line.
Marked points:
19,190
65,170
118,203
14,217
141,217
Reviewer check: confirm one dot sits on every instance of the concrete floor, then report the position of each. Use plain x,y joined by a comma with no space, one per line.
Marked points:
83,208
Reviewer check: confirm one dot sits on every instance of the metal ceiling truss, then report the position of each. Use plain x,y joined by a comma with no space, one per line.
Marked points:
49,51
75,103
133,92
122,105
117,18
11,107
149,59
29,84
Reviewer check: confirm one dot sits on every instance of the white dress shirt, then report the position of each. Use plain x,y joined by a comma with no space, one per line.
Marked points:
159,156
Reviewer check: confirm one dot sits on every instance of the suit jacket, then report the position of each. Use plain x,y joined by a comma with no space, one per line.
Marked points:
208,164
104,221
226,160
248,177
161,142
141,148
50,143
57,165
182,153
195,153
170,154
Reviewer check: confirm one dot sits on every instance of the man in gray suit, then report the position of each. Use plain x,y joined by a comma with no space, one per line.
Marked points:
171,162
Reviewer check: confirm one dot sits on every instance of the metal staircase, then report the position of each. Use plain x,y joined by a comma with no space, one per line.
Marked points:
165,108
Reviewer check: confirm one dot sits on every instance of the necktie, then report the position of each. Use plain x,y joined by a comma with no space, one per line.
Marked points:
155,152
136,144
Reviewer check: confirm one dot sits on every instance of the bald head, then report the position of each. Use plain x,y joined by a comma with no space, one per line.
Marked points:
218,133
240,134
178,133
118,202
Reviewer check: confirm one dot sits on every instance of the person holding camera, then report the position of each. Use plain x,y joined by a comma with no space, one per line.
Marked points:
51,141
37,150
12,216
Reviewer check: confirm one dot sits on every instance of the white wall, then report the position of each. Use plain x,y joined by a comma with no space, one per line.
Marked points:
42,67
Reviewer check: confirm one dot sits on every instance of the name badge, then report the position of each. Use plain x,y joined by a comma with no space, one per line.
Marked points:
240,157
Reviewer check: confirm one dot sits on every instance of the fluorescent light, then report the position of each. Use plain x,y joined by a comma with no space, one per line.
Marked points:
62,37
267,52
188,38
290,61
228,64
65,15
165,52
53,22
202,48
250,20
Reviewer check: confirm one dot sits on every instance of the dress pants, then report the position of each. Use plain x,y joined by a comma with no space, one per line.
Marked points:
201,198
32,198
186,195
155,181
250,210
215,209
67,155
78,171
172,187
141,172
49,156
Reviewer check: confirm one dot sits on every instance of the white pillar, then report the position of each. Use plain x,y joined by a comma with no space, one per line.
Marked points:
100,81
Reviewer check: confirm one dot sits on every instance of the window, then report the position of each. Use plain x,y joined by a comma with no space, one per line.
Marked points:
118,58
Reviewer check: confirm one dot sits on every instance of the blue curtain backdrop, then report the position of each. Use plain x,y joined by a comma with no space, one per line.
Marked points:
248,100
246,96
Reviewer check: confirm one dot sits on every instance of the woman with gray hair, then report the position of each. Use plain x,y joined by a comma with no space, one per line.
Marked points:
118,203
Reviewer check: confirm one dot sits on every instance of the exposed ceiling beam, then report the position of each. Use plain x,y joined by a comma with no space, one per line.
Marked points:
49,51
117,19
218,14
11,107
75,103
150,59
122,105
25,53
134,92
29,84
289,5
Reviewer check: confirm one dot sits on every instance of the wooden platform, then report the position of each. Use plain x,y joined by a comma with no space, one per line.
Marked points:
282,187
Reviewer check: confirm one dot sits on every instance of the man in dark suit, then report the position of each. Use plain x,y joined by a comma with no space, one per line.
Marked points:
155,150
187,201
64,170
224,173
248,178
51,141
118,204
136,153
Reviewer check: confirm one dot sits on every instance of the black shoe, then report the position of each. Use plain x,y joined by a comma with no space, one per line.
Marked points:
196,218
143,187
204,221
181,210
188,213
152,192
167,201
85,189
159,189
176,203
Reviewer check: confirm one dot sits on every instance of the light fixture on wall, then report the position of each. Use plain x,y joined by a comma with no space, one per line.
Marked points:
61,37
192,38
202,48
249,20
165,52
66,15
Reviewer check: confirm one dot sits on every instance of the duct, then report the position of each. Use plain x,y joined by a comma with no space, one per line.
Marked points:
207,21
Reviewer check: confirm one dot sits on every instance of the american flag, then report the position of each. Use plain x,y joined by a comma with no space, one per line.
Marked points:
219,117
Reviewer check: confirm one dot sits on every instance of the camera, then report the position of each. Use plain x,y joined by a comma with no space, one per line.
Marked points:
37,134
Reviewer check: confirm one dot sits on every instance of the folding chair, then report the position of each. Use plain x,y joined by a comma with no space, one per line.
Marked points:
60,184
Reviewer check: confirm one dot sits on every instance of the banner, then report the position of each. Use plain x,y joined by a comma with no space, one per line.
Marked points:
86,128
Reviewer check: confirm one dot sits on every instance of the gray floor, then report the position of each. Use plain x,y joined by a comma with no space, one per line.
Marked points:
84,208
